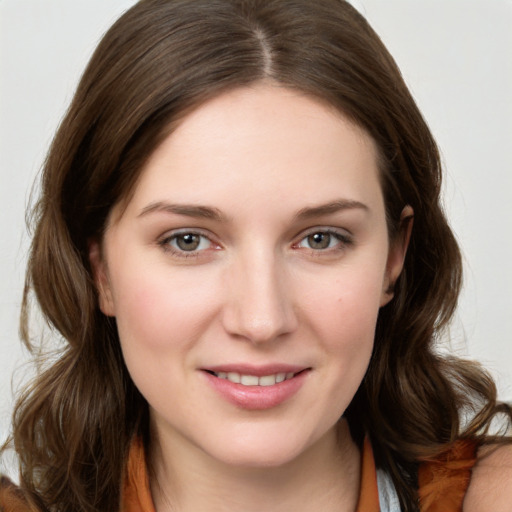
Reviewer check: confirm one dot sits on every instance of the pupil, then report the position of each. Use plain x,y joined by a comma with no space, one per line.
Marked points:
188,242
319,240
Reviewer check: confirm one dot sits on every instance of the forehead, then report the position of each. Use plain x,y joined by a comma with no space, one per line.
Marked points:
259,142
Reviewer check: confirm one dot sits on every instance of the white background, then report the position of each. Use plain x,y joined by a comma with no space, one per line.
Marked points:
456,56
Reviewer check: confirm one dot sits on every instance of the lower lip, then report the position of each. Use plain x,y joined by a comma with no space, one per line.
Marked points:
257,397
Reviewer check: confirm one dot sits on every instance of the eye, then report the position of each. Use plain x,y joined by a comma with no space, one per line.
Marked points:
188,242
324,239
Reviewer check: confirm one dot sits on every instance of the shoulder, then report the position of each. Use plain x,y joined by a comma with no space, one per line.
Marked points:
490,486
11,497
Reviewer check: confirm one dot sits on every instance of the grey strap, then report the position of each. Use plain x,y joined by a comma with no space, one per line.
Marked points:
388,498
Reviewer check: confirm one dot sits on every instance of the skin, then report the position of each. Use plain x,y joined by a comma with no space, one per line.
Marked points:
256,291
490,487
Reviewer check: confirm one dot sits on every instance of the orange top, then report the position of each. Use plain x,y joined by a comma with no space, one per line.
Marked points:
137,494
368,491
442,483
11,497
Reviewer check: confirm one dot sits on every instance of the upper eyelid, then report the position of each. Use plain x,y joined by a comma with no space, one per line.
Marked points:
171,233
342,232
344,237
324,229
164,241
167,241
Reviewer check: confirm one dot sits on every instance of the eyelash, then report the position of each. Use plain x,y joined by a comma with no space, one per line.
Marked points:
166,241
344,241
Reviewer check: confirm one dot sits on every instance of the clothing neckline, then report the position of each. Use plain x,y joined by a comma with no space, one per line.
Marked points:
137,491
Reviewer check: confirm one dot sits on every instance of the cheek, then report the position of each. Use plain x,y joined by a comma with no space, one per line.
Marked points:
340,314
159,310
343,316
346,308
160,317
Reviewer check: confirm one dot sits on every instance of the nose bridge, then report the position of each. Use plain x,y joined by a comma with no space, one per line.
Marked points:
259,307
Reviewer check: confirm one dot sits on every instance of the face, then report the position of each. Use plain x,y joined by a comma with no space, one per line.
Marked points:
246,275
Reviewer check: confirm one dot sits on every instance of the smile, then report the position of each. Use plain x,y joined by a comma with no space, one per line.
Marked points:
254,380
253,388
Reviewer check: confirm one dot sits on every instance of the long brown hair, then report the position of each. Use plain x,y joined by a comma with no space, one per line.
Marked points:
72,427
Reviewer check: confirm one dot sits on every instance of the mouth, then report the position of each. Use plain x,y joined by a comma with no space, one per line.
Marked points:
256,387
256,380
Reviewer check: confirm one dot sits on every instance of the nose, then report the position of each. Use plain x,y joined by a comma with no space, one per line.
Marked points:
259,306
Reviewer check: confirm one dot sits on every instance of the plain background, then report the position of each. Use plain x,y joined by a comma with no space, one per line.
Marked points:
455,55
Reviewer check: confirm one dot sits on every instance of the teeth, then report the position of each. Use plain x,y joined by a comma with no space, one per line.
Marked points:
253,380
249,380
234,377
267,380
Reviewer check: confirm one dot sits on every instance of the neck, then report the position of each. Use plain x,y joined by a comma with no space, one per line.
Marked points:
324,477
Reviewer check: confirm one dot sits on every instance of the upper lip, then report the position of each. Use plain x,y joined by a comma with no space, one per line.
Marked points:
258,371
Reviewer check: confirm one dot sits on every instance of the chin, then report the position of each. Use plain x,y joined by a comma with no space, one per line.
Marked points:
263,451
259,459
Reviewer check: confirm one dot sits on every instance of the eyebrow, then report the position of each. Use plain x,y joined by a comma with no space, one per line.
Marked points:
212,213
329,208
188,210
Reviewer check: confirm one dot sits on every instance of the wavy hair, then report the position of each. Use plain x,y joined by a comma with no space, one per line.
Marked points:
73,425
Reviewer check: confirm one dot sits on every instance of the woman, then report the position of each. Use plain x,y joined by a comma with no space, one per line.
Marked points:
240,238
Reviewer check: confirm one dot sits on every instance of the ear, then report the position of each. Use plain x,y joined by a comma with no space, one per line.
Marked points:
101,279
396,254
